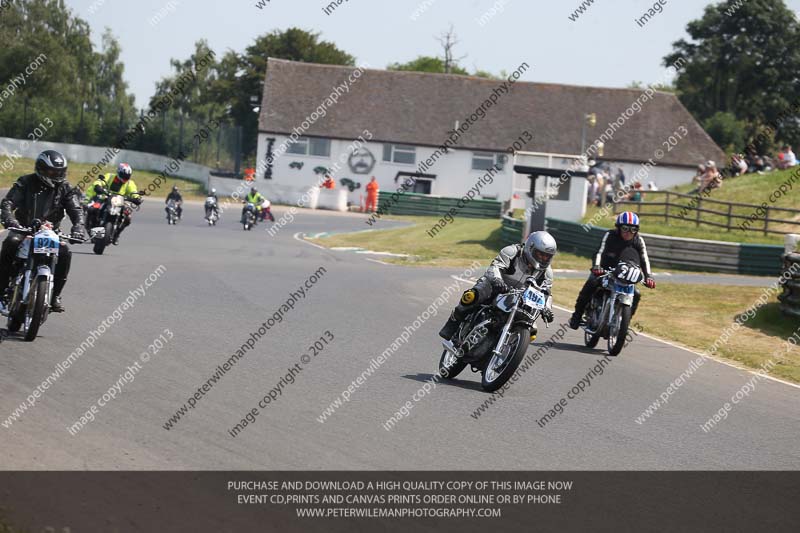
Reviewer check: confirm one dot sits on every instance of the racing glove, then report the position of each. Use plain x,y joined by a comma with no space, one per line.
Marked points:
597,270
547,316
137,201
500,286
650,283
13,223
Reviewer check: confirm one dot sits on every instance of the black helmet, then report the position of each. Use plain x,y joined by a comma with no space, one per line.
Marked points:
253,190
174,188
51,168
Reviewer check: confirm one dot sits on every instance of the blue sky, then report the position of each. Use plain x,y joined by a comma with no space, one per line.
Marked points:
603,47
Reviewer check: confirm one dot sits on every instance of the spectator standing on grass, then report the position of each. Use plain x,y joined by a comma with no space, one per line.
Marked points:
619,178
372,195
328,183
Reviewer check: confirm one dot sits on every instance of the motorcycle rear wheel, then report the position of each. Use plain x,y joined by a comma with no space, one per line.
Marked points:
497,373
589,339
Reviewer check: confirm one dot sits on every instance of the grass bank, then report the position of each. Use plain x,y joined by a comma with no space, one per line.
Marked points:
749,189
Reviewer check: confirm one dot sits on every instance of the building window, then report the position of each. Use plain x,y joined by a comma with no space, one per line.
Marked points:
400,153
487,160
310,146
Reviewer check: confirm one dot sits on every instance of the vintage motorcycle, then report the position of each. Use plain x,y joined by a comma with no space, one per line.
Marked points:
608,314
212,212
109,219
31,287
172,212
494,338
249,216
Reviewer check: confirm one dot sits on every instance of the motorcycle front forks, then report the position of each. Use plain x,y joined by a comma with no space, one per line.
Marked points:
504,334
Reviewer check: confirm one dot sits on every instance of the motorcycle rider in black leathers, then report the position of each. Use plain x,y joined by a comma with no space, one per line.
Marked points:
44,195
175,195
510,269
615,244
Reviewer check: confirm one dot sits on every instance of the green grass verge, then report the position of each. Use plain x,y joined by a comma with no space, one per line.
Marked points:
696,315
692,315
749,189
189,189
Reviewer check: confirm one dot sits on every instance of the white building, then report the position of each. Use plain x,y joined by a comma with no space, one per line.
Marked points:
311,115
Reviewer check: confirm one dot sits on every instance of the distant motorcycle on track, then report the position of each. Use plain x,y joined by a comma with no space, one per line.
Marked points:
212,212
172,212
249,216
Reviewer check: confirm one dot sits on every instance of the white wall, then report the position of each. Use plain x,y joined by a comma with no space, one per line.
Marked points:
454,176
78,153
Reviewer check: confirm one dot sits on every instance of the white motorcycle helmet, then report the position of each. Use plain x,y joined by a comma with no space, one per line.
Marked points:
538,250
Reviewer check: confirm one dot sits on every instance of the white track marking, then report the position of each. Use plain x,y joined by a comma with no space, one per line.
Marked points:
713,358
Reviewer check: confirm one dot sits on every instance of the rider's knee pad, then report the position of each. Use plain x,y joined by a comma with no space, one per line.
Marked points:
469,298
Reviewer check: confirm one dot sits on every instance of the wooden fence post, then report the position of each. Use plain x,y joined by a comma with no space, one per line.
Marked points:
699,205
730,209
666,209
766,221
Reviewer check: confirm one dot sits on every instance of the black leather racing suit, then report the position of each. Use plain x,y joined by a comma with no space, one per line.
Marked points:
30,198
612,249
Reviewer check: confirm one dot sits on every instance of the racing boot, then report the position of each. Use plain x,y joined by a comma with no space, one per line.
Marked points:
55,302
450,327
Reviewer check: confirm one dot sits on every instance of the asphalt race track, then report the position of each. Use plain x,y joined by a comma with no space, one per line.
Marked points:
219,284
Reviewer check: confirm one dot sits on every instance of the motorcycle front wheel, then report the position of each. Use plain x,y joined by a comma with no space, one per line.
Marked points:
34,312
619,329
450,366
502,367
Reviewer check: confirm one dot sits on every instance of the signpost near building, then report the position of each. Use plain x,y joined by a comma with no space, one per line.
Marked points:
558,188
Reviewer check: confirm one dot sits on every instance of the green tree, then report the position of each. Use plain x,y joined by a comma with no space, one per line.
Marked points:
742,58
80,90
426,64
728,132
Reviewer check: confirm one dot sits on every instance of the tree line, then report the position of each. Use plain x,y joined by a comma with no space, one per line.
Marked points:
740,78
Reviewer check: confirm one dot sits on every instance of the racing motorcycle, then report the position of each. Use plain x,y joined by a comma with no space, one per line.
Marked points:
266,211
31,287
608,314
249,216
172,212
212,213
494,338
110,218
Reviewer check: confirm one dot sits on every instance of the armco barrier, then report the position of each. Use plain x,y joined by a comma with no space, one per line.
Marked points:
675,252
511,230
423,204
790,298
79,153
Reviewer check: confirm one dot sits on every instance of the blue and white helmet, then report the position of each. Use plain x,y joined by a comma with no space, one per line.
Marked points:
627,218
